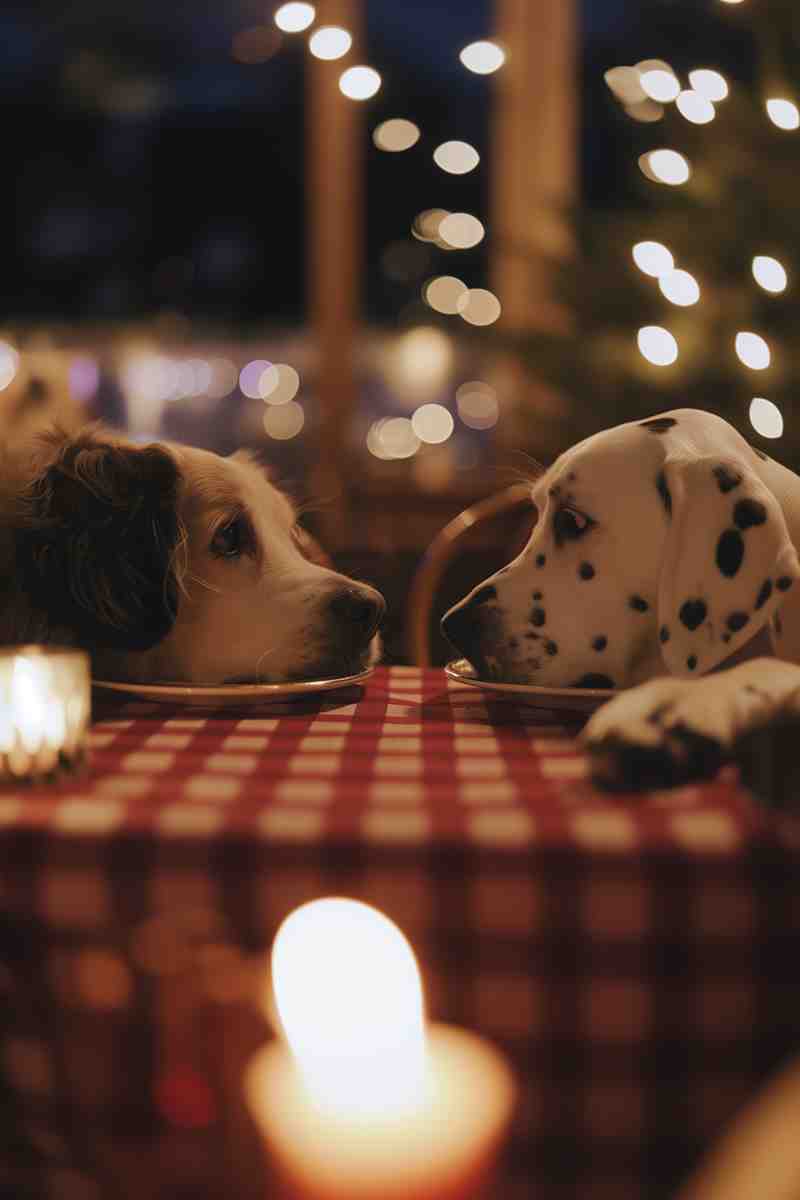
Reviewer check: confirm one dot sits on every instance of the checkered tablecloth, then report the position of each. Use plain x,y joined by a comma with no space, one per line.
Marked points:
636,957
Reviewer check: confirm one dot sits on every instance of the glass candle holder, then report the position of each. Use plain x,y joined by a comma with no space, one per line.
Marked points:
44,711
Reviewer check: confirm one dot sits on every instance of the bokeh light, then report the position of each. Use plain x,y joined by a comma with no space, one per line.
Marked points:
753,351
710,84
330,42
359,83
9,364
84,378
250,378
680,288
427,225
392,437
456,158
695,108
477,404
482,57
479,306
626,84
646,111
660,85
417,364
653,258
665,166
783,113
769,273
432,423
396,134
443,293
224,378
657,345
284,421
461,230
278,384
765,417
295,17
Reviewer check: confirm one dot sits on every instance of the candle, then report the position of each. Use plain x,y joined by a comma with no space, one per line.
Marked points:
44,711
366,1103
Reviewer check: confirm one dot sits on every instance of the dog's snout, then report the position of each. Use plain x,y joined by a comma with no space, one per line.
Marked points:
461,624
359,610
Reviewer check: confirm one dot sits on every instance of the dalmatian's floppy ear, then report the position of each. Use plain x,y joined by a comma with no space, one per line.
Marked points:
728,560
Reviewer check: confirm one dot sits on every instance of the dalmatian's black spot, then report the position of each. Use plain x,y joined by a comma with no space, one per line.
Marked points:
784,583
537,595
764,593
760,454
691,662
664,492
513,644
726,637
555,490
600,643
730,552
658,424
638,604
571,477
540,560
749,512
484,595
737,621
586,570
727,479
551,648
663,634
594,680
693,613
538,616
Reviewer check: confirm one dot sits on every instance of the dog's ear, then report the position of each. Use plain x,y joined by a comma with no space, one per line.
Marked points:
96,534
728,561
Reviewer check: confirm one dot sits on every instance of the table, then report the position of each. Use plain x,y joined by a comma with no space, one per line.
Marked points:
635,956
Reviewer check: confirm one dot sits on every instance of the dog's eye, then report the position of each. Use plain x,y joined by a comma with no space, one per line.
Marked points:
569,524
233,539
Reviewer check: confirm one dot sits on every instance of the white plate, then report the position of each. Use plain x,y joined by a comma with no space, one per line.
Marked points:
229,693
581,700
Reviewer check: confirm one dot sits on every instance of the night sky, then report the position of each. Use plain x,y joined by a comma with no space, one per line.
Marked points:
148,170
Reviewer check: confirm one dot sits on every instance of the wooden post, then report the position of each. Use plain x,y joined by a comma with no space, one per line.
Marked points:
334,218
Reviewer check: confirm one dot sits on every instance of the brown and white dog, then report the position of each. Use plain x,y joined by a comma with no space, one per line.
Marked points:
169,563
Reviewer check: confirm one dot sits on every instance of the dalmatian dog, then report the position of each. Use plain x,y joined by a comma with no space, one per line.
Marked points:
664,550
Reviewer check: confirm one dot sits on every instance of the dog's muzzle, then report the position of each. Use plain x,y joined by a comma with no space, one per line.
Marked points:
465,625
355,614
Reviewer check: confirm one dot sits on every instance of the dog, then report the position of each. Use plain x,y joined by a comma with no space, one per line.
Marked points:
171,564
664,551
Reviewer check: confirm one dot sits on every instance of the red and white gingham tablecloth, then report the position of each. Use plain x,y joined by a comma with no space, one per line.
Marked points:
637,957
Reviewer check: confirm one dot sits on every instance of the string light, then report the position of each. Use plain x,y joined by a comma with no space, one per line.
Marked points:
783,113
769,273
695,107
9,364
647,111
483,58
284,421
392,437
665,166
278,384
479,306
652,258
657,345
710,84
753,351
461,230
295,17
432,423
626,84
765,417
427,224
457,158
250,378
443,293
396,134
660,85
330,42
680,288
359,83
477,404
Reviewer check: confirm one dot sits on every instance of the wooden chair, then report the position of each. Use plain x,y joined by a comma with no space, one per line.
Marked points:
450,541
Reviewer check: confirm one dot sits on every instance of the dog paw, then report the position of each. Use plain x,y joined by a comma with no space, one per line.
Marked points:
660,734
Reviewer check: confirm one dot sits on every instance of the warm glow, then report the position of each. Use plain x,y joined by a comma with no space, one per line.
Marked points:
731,1
457,158
443,293
330,42
250,378
278,384
765,417
769,273
479,306
657,345
284,421
432,423
753,351
461,231
417,364
295,17
653,258
783,113
695,108
626,84
396,134
680,287
482,57
710,84
9,364
667,166
477,404
359,83
660,85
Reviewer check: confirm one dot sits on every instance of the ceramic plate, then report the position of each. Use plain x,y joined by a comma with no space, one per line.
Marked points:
582,700
229,693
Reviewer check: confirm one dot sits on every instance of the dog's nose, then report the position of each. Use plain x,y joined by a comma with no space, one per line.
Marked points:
461,624
359,610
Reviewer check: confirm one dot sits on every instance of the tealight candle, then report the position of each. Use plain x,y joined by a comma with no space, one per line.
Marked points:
44,710
366,1103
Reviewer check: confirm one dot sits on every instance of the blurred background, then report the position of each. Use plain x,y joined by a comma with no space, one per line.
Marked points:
400,250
